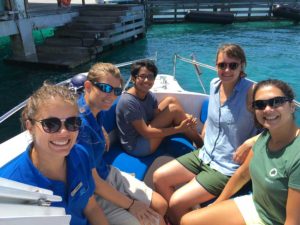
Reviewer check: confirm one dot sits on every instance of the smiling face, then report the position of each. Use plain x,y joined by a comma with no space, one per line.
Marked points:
273,117
144,81
97,99
225,73
56,144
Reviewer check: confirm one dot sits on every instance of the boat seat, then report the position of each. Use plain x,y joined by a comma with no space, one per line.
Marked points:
204,110
173,146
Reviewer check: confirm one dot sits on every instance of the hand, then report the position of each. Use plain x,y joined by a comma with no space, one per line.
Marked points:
144,214
188,123
193,121
241,153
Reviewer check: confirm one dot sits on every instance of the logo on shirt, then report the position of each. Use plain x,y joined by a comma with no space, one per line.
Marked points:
273,172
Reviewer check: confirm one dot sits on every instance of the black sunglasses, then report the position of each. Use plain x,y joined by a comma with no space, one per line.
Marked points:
53,124
107,88
272,102
232,66
149,77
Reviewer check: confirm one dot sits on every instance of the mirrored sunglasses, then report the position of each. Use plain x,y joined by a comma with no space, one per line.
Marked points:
53,124
272,102
106,88
231,66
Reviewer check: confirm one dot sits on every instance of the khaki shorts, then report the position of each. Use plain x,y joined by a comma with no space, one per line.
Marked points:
247,208
212,180
131,187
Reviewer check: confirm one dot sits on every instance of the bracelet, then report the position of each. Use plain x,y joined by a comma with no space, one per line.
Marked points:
131,204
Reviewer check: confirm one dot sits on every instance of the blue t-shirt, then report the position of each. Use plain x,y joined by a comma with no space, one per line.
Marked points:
227,126
92,138
75,193
129,109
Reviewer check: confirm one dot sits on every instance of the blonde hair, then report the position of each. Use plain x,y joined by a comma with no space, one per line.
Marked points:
100,70
41,96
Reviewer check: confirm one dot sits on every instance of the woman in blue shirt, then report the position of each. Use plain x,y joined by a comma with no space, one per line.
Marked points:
124,199
202,174
53,160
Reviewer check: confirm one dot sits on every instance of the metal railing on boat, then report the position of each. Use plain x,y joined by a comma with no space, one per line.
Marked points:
192,61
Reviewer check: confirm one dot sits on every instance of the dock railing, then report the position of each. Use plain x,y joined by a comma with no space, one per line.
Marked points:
172,11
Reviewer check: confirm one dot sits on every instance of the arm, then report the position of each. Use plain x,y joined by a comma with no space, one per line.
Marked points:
292,207
137,208
152,132
94,213
242,151
237,181
109,193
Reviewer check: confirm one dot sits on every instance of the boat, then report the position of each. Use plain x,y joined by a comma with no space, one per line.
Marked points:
209,17
142,168
29,205
291,12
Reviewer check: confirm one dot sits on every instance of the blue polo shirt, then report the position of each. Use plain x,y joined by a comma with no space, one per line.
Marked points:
75,193
92,138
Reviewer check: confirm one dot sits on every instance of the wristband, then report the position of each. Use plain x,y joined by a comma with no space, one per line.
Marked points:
131,204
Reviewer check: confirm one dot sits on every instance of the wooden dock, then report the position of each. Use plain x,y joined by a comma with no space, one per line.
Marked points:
84,31
94,29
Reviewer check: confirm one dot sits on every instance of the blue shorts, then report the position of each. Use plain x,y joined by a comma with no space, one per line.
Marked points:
142,147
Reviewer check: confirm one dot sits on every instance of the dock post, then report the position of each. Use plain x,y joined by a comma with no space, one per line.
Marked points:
23,45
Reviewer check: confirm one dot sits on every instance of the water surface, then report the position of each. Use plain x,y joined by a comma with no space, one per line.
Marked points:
272,50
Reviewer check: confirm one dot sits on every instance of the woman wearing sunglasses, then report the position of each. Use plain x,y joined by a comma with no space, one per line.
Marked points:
124,199
273,165
142,122
53,160
203,173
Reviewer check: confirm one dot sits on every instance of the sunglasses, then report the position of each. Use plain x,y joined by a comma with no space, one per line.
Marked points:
231,66
106,88
53,124
273,102
150,77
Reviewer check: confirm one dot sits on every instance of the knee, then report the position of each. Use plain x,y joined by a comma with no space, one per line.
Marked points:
159,204
176,201
158,177
184,220
172,100
176,109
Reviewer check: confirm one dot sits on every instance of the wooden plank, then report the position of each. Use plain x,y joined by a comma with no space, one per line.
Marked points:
100,19
69,50
84,42
104,13
93,26
123,36
123,29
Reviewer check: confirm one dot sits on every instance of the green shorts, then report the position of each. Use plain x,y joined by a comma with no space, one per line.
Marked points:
212,180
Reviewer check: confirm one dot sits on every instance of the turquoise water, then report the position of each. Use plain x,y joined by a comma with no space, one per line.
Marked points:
272,50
